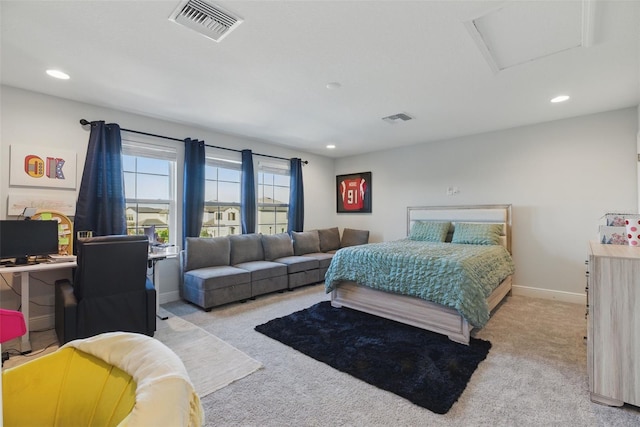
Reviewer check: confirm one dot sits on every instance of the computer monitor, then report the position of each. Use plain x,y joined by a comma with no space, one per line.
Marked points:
27,238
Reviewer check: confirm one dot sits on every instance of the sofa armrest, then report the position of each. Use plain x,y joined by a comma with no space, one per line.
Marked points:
66,309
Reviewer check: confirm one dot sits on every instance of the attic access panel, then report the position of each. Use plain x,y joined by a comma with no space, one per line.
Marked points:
520,32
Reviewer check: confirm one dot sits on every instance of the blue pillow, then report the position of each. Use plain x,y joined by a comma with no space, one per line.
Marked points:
477,233
429,231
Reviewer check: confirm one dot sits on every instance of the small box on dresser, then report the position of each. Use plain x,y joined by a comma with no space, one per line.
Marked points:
617,219
610,235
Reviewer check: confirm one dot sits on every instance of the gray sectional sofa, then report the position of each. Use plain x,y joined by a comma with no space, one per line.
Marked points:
220,270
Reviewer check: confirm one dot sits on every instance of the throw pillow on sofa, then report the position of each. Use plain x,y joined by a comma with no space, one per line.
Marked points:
305,242
246,248
277,246
206,252
329,239
351,237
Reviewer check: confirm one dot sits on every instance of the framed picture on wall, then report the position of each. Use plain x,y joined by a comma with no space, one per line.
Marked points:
353,193
33,166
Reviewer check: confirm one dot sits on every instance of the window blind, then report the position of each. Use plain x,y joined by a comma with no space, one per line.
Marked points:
144,149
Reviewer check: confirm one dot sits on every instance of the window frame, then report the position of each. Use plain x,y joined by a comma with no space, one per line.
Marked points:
135,146
215,210
273,167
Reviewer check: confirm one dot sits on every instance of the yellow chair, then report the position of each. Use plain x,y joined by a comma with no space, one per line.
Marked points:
112,379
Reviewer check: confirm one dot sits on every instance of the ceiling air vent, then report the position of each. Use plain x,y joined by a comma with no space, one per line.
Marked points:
396,118
207,19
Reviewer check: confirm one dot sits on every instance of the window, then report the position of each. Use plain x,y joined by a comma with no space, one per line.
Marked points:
223,172
150,188
273,197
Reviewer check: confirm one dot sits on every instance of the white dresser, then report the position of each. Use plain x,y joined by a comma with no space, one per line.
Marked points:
613,326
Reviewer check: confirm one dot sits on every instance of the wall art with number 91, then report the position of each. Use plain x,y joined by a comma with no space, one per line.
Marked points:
42,167
353,193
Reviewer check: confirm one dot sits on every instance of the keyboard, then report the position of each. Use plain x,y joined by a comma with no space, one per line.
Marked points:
62,258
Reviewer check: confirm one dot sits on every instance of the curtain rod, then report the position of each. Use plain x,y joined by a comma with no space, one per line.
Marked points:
84,122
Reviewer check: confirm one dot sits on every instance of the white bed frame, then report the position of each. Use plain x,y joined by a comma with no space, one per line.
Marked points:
416,311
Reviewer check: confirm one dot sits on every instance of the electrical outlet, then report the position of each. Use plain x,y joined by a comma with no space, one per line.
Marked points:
452,191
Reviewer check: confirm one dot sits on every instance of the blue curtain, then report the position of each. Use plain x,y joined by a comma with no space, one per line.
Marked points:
193,194
295,216
101,204
248,194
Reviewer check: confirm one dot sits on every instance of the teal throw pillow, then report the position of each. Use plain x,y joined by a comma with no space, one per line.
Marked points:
429,231
477,233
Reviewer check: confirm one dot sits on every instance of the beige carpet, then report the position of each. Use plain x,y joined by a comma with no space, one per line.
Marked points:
535,374
211,362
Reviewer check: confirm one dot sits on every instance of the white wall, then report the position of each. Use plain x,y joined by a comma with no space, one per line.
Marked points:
560,177
29,118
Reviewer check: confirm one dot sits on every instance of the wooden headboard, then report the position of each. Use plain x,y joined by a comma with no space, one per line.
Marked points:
500,214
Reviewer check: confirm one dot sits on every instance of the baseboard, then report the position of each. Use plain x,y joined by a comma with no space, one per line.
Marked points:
170,296
570,297
40,323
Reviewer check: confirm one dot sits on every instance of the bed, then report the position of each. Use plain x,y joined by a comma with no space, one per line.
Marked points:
387,279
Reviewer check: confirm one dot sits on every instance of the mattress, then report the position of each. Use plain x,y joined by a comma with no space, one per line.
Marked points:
459,276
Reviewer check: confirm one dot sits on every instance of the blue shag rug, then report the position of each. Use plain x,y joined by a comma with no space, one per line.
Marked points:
421,366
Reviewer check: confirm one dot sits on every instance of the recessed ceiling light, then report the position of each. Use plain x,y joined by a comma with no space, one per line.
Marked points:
334,85
331,146
560,98
58,74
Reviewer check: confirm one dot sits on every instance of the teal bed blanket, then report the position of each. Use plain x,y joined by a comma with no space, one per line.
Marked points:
459,276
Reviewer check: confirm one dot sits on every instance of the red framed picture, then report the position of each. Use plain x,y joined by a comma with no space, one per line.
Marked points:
353,193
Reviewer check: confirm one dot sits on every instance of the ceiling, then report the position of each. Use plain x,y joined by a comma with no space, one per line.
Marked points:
456,67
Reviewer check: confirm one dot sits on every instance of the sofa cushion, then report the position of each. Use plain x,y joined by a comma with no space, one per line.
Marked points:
276,246
305,242
206,252
263,269
324,259
351,237
296,264
329,239
245,248
211,278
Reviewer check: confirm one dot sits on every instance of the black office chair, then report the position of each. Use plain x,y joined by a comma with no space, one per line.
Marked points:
110,290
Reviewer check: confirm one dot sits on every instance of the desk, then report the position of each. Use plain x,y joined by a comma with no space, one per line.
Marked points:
25,270
153,258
